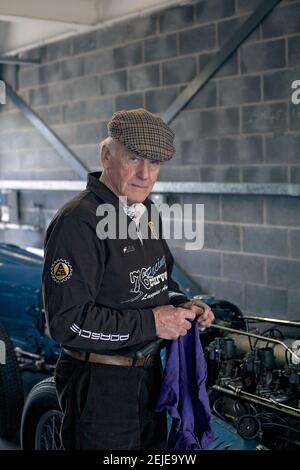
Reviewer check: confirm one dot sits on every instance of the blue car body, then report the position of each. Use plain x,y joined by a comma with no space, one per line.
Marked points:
21,302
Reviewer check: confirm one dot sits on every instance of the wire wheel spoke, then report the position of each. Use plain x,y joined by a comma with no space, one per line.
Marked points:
48,431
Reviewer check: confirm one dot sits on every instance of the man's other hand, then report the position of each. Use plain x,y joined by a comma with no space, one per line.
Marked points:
172,322
203,312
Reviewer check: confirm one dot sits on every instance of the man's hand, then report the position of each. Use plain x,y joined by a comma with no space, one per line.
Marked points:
171,322
203,312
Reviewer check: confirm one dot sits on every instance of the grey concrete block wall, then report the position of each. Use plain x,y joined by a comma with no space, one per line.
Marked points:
241,127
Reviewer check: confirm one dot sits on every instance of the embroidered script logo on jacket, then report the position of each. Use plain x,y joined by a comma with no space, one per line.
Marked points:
145,279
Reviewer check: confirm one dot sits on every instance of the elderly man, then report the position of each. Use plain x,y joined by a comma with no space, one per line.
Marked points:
102,304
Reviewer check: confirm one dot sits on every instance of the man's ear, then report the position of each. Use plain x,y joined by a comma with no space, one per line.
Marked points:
105,156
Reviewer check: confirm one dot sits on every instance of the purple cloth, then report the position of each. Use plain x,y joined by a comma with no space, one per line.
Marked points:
183,393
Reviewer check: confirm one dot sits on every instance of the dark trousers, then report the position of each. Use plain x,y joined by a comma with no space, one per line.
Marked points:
108,407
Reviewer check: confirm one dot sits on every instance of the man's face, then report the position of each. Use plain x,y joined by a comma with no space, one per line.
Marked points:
128,175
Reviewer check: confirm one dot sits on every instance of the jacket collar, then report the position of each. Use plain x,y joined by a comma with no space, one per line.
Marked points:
100,189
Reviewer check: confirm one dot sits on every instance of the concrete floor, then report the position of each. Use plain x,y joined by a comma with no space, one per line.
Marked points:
8,445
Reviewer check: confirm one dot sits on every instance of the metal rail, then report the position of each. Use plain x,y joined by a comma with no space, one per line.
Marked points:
269,189
12,61
166,187
272,320
9,226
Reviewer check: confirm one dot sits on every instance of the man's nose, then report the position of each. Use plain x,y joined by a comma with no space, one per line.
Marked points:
143,169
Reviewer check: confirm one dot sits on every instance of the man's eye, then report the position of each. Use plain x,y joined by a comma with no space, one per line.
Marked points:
132,158
155,163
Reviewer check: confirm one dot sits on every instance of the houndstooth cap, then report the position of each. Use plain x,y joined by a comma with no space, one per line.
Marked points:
143,133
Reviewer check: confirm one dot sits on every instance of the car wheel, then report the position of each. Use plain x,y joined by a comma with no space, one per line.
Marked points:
11,388
41,419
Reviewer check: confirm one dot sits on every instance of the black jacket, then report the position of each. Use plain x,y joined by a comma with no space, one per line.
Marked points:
99,294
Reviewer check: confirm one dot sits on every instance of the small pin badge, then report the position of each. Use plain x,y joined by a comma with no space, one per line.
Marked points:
128,249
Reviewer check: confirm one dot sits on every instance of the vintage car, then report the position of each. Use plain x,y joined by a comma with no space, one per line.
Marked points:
28,349
253,373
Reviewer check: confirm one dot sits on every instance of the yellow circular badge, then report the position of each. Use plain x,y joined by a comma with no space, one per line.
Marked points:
61,270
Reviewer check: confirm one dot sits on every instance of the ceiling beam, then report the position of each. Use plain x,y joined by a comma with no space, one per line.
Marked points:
19,36
81,12
116,9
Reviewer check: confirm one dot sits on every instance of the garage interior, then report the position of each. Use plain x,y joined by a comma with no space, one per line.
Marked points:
224,74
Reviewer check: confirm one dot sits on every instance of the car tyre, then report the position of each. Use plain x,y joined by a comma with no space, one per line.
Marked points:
11,388
41,419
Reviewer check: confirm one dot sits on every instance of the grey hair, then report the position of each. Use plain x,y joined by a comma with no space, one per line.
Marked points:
111,144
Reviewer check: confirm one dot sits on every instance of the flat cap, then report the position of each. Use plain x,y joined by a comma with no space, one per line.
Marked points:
143,133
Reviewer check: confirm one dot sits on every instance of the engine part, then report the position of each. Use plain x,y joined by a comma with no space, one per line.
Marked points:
255,383
248,426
